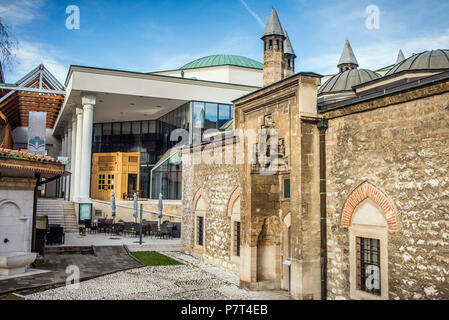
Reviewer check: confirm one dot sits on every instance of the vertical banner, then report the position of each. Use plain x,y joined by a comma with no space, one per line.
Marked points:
36,132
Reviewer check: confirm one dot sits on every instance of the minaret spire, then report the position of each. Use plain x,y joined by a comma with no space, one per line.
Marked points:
274,57
347,60
401,57
273,26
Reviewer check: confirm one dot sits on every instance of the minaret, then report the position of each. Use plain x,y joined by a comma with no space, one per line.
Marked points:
347,59
273,58
400,57
289,57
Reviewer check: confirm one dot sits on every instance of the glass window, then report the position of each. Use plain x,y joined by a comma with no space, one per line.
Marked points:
126,127
236,238
97,129
145,127
286,188
107,129
153,126
200,229
135,127
210,121
368,265
198,114
223,114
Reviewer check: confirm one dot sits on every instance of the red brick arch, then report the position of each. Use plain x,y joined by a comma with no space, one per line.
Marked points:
362,192
200,193
234,196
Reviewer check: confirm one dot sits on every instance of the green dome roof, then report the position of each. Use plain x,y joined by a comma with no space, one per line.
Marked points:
222,60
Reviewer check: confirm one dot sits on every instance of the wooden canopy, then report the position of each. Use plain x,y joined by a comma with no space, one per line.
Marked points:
37,91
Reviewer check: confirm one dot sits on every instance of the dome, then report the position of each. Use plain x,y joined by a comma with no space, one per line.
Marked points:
344,81
427,60
222,60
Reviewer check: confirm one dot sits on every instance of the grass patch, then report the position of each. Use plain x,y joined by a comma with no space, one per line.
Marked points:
10,296
153,258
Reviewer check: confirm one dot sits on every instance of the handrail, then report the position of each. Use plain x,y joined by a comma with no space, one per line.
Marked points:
144,210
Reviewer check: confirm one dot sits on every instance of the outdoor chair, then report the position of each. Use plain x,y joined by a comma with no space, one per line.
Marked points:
165,230
56,235
129,228
117,228
154,230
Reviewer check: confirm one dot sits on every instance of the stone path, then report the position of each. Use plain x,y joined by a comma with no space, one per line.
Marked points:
194,280
107,259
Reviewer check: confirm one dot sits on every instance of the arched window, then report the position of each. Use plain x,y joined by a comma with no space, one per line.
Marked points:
200,207
234,213
369,215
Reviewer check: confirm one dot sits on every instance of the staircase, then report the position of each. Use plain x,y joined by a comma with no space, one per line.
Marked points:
59,212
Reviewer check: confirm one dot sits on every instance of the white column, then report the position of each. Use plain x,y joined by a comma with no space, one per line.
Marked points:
86,154
68,152
73,158
79,136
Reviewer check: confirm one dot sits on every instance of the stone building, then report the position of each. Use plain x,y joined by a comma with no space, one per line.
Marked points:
348,181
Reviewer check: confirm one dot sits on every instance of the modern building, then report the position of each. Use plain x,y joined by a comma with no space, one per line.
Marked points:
113,111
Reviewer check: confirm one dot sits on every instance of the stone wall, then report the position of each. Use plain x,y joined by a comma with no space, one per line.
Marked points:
217,182
403,150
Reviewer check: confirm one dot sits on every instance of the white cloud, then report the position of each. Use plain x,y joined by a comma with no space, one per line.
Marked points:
29,56
19,12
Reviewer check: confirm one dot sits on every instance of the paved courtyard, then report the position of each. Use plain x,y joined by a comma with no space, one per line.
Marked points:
102,239
194,280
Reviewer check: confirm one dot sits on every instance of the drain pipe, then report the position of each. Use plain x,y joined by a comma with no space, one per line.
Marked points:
322,127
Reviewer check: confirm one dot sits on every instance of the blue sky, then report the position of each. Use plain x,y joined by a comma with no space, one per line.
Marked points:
149,36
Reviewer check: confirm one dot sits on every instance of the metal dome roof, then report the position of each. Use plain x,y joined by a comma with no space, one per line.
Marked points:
427,60
223,59
344,81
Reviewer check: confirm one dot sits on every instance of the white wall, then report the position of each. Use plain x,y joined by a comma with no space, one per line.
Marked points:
227,74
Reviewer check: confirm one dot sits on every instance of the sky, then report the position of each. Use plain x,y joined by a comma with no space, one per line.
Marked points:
147,36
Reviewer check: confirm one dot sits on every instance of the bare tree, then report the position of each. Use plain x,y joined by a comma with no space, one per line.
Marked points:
7,45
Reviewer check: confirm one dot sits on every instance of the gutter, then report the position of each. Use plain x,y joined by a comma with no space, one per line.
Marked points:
322,127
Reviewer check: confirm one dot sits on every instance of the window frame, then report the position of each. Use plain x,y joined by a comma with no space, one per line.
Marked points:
371,232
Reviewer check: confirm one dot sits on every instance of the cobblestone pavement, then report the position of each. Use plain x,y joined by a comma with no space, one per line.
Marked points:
106,259
193,280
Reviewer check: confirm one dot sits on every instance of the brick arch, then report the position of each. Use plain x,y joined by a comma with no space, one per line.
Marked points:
362,192
234,196
200,194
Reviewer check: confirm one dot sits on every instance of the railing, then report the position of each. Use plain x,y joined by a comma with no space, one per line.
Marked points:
144,210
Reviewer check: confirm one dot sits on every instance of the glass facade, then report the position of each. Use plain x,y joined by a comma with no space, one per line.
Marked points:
167,179
151,138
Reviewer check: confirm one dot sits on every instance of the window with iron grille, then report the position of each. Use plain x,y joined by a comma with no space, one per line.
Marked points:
287,188
200,230
368,265
237,239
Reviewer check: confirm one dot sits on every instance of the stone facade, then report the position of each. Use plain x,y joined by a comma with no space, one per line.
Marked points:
268,219
403,150
215,183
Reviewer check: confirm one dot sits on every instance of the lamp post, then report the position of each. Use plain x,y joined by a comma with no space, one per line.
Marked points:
113,206
135,206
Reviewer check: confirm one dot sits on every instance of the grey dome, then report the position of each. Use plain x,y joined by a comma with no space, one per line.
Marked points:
344,81
427,60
